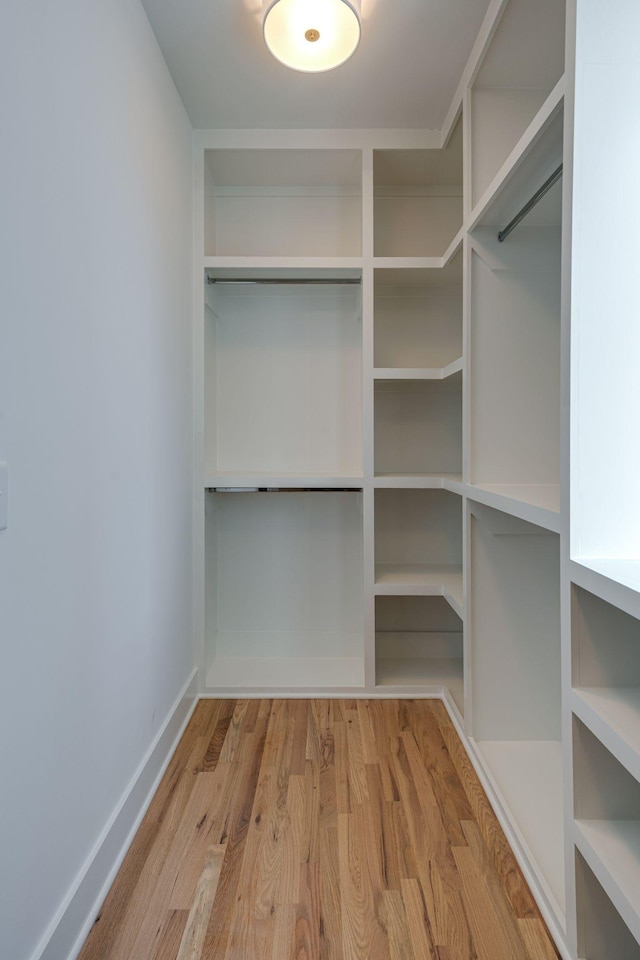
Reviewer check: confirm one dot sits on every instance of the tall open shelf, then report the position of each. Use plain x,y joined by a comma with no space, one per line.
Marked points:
513,619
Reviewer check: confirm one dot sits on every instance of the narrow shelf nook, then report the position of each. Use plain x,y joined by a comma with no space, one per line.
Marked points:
513,619
283,375
417,199
418,644
280,203
284,590
607,827
418,318
602,933
524,62
418,427
418,544
606,675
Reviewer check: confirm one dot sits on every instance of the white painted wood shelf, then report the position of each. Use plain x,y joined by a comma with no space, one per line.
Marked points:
418,673
612,850
284,480
535,503
420,579
613,716
418,373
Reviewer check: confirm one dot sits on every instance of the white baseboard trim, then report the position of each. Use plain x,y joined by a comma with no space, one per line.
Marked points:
69,928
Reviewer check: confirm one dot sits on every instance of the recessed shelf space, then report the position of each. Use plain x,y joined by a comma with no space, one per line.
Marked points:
279,203
602,933
418,320
514,340
607,828
417,199
522,65
419,643
284,590
418,427
418,544
513,617
283,375
606,675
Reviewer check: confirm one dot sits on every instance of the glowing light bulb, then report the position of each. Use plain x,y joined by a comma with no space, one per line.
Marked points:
312,35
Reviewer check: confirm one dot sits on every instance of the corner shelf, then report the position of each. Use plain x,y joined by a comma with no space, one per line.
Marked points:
535,503
418,373
612,850
420,579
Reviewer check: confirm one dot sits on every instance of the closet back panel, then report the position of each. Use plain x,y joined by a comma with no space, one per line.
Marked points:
417,326
284,381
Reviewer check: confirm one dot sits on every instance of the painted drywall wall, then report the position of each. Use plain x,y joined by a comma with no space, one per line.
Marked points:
96,426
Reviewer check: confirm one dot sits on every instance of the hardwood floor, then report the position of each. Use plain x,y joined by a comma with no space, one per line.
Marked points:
319,830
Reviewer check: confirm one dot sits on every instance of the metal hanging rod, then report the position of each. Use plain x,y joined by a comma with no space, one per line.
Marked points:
284,489
536,198
298,281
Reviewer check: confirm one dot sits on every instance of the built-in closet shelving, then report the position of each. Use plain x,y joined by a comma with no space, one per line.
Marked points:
407,441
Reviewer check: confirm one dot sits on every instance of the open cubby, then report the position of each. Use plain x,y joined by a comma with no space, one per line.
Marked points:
417,199
418,426
418,317
284,588
418,643
602,933
524,62
513,617
418,544
283,203
606,674
283,375
515,357
607,811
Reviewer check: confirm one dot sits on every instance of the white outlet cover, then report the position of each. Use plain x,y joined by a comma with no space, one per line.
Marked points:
3,494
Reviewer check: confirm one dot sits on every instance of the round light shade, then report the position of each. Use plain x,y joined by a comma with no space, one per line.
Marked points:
312,35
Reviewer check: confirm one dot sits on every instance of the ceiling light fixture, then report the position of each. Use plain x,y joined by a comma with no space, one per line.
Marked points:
312,35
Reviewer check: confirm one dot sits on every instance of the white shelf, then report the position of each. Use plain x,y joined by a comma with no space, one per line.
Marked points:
282,268
528,775
420,672
419,481
612,850
285,480
537,503
613,716
420,579
536,154
280,673
418,373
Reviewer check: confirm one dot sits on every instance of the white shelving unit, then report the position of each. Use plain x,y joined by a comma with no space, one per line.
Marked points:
451,436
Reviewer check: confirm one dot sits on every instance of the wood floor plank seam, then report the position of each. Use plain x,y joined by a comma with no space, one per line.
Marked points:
319,830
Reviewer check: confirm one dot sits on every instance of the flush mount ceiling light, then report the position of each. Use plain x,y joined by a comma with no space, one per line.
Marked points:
312,35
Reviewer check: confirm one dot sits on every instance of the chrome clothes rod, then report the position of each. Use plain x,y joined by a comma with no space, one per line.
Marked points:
536,198
299,281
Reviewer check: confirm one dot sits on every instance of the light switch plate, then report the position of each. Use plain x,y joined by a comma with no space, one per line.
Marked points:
3,494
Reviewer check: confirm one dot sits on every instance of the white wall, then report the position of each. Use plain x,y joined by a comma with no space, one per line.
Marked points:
96,425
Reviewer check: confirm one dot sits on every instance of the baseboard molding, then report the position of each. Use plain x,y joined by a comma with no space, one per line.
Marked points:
69,928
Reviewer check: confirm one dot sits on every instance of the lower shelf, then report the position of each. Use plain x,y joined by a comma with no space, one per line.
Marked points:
613,715
612,850
431,580
423,672
278,673
529,776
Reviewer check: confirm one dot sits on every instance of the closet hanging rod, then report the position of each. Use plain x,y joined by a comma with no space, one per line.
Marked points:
298,281
536,198
284,489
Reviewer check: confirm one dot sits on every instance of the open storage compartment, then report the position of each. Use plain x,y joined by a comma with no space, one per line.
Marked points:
418,544
606,674
418,427
514,345
602,933
284,589
283,203
419,643
514,632
524,62
283,383
417,199
418,319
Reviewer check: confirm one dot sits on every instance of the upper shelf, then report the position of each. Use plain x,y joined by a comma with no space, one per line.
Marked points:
535,155
262,203
537,503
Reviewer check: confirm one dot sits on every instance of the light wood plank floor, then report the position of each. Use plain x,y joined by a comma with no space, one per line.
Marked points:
319,830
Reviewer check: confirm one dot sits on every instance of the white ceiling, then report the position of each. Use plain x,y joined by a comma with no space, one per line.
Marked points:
404,74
